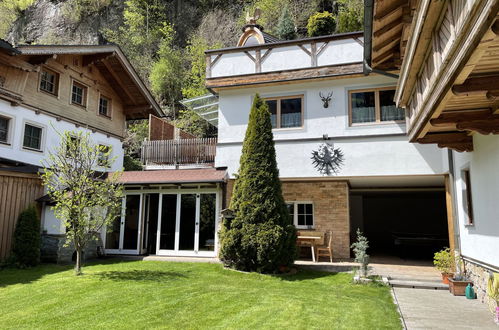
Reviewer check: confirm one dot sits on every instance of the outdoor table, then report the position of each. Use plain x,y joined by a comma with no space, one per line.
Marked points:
312,240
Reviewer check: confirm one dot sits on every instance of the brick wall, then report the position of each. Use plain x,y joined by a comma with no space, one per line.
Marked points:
331,213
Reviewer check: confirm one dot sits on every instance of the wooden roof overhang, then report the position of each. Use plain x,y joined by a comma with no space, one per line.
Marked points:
388,25
115,68
297,75
449,80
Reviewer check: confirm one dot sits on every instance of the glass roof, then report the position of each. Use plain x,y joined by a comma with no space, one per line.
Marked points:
206,106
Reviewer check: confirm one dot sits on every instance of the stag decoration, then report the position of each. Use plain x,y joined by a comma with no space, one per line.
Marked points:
326,99
327,160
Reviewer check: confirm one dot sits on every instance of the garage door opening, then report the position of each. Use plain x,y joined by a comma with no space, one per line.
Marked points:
404,224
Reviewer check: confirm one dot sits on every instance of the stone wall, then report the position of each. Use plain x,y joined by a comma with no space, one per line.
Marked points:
53,249
480,277
331,208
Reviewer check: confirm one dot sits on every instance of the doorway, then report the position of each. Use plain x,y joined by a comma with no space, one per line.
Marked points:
124,236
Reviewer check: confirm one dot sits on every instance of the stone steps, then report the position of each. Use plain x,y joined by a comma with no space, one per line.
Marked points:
417,284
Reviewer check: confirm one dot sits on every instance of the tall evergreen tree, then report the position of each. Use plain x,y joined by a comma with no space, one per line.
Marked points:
261,236
285,27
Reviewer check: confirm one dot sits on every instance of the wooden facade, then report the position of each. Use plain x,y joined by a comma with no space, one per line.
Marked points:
17,192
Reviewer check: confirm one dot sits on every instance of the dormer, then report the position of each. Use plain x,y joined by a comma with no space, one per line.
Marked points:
253,34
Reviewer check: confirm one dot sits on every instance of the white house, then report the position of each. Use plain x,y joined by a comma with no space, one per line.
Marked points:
45,91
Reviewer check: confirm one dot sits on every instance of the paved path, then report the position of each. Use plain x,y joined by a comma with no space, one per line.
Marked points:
439,309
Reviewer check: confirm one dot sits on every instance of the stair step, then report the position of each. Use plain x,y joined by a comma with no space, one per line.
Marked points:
418,284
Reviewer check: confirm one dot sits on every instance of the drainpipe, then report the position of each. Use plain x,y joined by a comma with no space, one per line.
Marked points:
368,32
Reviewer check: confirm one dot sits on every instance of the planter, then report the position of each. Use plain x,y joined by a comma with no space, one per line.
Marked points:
458,288
445,277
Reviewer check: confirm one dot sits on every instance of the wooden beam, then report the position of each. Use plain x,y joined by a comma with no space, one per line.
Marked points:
41,59
388,42
477,84
484,127
450,212
118,80
451,118
91,59
458,141
393,25
395,5
305,50
250,56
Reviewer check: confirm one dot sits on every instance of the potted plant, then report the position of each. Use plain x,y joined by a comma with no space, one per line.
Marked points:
458,284
444,262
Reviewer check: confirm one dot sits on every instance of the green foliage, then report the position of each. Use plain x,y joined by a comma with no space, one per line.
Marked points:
350,16
10,10
76,10
443,260
190,122
360,250
321,24
261,236
26,244
131,164
285,27
85,200
136,132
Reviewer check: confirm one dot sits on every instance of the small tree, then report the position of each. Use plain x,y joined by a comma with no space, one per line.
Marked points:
285,27
350,16
321,24
360,250
261,236
85,200
26,244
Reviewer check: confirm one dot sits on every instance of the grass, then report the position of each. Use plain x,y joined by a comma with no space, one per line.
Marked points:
155,294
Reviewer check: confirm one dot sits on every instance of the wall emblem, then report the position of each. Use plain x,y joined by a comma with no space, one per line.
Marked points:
326,99
327,160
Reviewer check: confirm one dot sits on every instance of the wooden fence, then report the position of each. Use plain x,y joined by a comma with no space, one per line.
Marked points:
179,152
17,192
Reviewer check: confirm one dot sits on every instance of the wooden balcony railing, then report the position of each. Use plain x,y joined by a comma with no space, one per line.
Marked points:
179,152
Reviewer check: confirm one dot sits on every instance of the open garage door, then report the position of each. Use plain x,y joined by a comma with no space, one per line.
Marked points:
402,223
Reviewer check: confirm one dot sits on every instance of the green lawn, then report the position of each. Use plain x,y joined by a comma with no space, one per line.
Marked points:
155,294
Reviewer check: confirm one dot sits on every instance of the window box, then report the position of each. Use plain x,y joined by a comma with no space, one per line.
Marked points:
286,111
373,106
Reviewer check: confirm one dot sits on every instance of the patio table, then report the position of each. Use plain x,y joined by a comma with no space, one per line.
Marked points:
312,240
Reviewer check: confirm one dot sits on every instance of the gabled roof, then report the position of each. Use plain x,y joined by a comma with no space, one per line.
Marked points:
113,65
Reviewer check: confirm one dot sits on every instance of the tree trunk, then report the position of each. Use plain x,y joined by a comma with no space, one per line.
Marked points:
78,261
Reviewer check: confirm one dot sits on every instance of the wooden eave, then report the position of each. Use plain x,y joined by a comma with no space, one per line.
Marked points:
390,22
113,65
285,76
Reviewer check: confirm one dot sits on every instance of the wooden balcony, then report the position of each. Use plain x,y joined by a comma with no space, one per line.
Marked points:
179,152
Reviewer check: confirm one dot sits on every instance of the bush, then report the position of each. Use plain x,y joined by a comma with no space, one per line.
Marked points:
360,250
26,244
321,24
131,164
261,236
285,27
444,261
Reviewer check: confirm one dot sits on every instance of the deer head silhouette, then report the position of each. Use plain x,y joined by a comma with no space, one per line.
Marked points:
326,99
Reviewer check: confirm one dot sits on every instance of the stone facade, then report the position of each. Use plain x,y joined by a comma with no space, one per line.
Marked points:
331,208
479,276
53,249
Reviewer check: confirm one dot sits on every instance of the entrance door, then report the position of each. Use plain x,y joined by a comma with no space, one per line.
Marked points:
124,237
187,224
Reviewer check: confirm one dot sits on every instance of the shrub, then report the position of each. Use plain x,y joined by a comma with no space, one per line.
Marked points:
26,244
321,24
444,261
131,164
360,250
285,27
261,236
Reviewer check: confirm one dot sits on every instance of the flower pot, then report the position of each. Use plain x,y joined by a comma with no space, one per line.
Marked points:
458,288
445,277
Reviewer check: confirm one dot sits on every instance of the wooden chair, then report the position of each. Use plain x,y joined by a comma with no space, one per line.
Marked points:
326,251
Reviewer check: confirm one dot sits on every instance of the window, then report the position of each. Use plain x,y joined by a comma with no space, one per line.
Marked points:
467,201
4,129
78,94
302,214
374,106
103,155
49,81
286,112
32,137
104,106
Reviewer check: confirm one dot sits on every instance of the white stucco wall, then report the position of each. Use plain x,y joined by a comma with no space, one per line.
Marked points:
20,116
481,240
370,150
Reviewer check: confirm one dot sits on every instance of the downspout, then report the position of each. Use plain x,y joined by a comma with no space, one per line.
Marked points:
368,32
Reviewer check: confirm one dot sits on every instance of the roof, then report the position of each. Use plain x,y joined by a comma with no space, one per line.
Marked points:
196,175
5,47
115,67
270,38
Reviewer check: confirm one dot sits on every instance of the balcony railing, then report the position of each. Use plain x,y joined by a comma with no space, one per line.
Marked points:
179,152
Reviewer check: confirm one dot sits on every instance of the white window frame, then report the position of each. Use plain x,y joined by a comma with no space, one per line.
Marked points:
10,128
84,95
42,138
109,106
295,214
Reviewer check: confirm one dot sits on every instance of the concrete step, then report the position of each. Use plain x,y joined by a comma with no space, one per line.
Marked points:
415,284
419,278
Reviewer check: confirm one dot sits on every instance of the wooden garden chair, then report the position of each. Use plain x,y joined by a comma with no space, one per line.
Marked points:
326,250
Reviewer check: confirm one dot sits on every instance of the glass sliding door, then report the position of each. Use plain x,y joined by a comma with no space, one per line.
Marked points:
207,220
187,228
168,222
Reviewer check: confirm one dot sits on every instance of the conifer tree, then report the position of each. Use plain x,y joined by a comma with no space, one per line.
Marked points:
286,27
261,236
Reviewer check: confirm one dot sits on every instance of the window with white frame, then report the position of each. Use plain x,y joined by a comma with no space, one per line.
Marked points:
32,137
79,94
104,106
4,129
302,214
49,81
